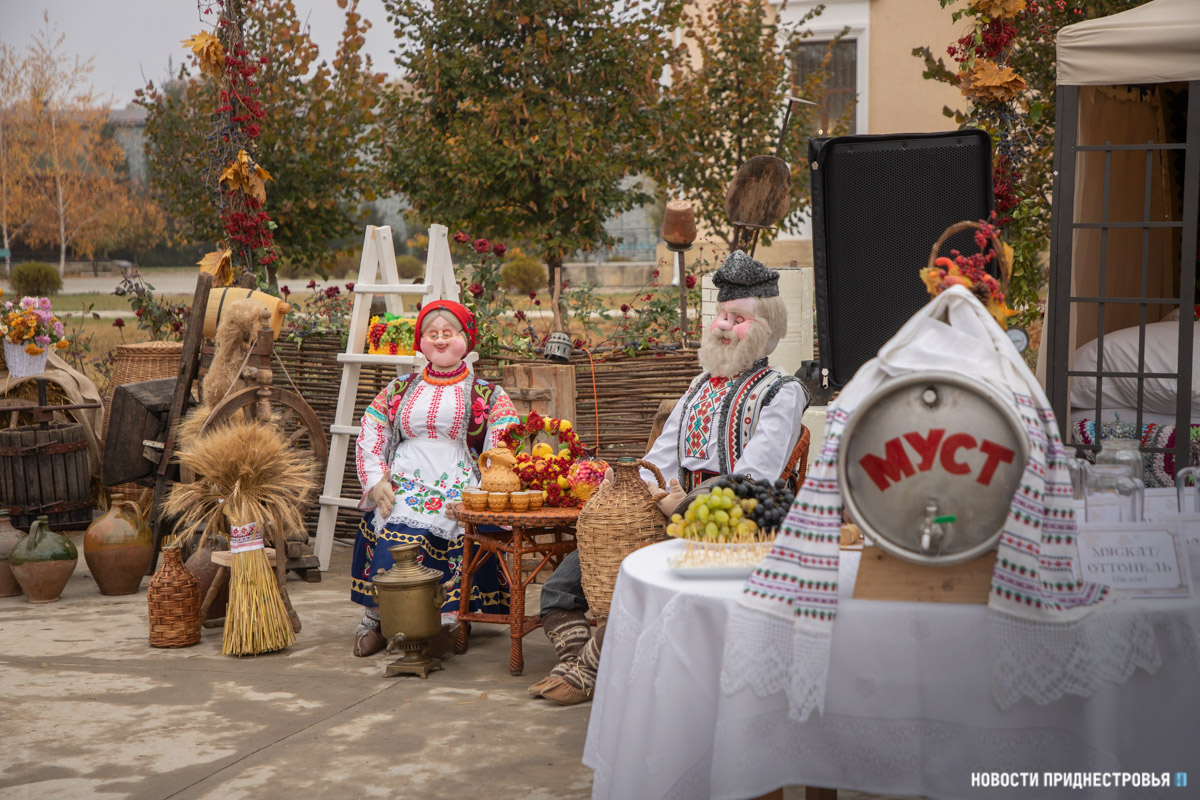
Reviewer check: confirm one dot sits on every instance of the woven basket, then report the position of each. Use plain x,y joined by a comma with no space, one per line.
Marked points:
144,361
619,518
174,599
22,365
997,248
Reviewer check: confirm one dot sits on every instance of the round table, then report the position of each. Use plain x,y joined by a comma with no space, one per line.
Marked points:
547,532
908,708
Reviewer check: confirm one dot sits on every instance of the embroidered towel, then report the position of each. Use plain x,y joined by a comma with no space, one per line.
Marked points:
1049,632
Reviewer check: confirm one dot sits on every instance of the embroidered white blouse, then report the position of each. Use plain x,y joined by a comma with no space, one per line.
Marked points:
431,464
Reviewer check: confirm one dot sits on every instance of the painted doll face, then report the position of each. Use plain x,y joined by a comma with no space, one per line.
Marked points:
733,319
443,344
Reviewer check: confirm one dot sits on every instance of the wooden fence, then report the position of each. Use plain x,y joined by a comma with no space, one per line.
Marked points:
628,391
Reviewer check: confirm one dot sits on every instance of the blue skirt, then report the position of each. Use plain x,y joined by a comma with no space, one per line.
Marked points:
489,587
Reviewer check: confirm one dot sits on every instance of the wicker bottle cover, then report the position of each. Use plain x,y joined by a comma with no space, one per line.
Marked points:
618,519
174,600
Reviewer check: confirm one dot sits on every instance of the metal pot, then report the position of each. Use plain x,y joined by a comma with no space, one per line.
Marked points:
410,599
928,466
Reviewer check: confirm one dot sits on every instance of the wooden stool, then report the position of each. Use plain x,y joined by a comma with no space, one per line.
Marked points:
510,547
223,559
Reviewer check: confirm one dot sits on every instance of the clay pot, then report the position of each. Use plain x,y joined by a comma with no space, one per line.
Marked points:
201,565
118,548
42,562
679,224
9,536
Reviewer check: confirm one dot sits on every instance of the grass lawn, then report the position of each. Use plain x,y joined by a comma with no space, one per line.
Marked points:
100,301
98,338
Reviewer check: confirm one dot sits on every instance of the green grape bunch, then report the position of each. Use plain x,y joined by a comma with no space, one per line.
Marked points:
735,508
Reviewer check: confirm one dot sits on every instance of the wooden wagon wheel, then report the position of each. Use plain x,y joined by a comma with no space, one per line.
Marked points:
294,417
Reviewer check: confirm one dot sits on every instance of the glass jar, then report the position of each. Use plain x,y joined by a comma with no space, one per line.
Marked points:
1111,495
1122,452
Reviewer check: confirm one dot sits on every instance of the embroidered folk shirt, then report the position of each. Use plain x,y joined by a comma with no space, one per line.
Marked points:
432,462
743,425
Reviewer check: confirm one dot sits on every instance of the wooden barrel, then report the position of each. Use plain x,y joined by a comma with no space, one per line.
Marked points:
45,471
218,299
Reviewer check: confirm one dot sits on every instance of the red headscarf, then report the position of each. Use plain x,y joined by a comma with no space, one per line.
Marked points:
460,312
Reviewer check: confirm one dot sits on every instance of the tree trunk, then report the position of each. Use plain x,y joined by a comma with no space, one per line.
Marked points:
62,217
555,269
4,200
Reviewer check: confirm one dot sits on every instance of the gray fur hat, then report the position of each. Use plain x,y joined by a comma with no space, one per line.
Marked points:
742,276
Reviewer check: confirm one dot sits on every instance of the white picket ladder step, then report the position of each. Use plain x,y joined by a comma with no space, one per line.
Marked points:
377,275
380,288
382,358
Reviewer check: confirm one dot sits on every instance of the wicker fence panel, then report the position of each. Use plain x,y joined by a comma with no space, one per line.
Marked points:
629,389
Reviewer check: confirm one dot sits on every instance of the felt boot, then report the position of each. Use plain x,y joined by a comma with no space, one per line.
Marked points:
578,682
368,639
568,631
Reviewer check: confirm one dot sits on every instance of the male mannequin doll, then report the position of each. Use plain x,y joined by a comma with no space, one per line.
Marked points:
740,416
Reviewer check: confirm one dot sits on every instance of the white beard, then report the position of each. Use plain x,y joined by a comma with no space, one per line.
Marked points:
728,360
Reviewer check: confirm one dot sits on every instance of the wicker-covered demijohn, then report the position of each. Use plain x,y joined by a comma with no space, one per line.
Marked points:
619,518
174,599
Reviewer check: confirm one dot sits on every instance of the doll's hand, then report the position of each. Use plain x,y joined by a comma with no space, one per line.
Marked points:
383,495
669,501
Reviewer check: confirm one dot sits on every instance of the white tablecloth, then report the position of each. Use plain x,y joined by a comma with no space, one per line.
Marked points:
908,706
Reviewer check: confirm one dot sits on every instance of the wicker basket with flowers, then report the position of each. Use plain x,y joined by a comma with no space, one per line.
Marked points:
30,330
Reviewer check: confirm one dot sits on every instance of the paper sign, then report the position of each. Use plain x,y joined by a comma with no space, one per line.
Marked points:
1146,559
245,537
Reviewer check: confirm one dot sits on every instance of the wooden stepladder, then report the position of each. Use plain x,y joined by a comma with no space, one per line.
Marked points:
377,275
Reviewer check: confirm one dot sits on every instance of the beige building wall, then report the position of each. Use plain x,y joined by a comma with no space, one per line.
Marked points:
901,101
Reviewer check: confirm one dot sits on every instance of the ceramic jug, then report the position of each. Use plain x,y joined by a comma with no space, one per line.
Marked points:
43,561
118,548
9,536
496,470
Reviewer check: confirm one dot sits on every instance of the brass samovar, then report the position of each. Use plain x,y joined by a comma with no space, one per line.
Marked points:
410,599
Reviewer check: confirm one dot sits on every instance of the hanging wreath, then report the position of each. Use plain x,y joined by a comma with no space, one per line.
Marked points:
540,467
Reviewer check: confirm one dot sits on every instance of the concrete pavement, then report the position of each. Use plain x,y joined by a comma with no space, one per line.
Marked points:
90,710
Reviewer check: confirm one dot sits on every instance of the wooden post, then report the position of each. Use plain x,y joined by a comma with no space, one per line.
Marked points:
549,388
189,367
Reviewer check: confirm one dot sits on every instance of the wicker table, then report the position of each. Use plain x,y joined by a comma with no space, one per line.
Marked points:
509,547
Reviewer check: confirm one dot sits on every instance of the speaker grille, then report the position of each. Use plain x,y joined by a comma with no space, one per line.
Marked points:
879,204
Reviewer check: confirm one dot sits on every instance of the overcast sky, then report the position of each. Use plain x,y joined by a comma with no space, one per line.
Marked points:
131,41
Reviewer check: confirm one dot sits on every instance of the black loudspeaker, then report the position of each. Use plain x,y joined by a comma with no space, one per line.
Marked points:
879,204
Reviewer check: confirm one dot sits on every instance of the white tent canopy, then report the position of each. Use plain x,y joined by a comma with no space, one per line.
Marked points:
1158,42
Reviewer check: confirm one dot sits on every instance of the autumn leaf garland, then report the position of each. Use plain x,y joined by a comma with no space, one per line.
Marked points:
208,51
248,176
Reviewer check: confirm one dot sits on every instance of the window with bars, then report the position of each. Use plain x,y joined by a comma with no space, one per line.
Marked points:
840,84
1125,262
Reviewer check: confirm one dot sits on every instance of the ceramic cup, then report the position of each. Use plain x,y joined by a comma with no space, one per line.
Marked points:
475,499
519,501
497,501
535,499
